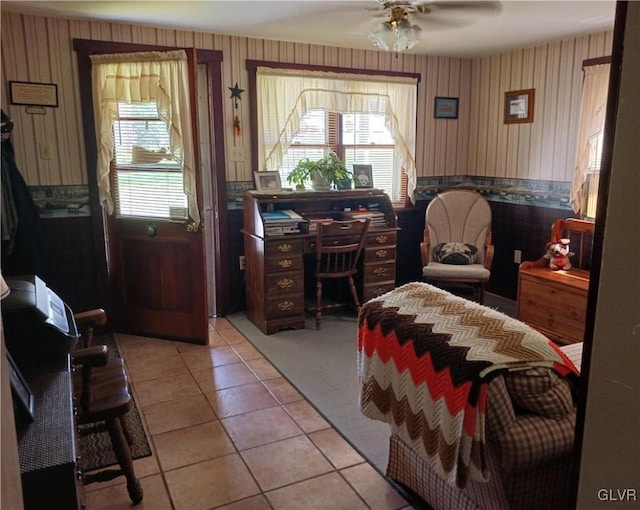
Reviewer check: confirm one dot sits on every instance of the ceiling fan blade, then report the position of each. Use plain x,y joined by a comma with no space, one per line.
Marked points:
485,6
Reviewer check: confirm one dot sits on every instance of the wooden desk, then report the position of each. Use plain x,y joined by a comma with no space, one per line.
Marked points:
275,269
554,302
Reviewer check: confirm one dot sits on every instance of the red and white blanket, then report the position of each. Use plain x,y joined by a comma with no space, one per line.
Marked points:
425,361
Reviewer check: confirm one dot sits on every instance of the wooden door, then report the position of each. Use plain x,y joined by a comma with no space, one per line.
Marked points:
157,271
158,266
155,277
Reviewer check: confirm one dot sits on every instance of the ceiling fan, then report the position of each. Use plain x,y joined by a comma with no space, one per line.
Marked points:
398,33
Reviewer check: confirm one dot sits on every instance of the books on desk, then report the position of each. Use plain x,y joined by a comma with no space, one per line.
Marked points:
281,221
377,217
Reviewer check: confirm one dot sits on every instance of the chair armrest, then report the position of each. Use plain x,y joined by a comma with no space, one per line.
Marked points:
488,256
96,356
424,248
98,317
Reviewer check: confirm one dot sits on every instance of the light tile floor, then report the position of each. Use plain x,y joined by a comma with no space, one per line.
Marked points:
228,432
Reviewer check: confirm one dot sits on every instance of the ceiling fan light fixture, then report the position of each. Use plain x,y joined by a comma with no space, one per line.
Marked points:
384,37
397,34
407,34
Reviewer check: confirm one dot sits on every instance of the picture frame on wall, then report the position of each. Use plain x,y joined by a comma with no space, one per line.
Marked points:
518,106
445,108
362,176
268,182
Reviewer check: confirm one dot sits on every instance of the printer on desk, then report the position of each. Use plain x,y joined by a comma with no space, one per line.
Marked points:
39,327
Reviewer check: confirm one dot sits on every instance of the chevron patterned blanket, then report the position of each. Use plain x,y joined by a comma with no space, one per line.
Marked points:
425,361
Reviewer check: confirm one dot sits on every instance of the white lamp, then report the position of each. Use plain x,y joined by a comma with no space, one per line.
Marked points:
397,34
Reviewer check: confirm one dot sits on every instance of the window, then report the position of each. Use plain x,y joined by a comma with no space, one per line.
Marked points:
593,106
355,137
363,119
146,177
134,95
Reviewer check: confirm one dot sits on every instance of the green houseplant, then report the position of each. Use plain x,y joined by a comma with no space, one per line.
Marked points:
322,173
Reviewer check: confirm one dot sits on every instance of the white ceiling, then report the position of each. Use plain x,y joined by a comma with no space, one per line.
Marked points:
464,32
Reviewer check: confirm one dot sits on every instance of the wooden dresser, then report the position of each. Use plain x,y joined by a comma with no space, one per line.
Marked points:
555,302
275,264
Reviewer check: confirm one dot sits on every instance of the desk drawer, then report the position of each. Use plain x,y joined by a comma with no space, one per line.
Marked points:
285,283
283,247
376,289
283,306
379,253
379,272
283,263
381,238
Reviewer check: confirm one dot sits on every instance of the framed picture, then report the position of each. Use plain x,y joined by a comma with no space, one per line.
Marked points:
33,94
363,176
23,400
518,106
268,181
446,108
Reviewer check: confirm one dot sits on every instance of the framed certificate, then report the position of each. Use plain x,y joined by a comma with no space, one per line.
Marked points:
33,94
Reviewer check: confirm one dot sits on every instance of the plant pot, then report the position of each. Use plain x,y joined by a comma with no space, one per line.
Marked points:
320,183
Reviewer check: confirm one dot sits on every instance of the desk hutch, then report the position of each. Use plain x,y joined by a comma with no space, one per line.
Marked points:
275,264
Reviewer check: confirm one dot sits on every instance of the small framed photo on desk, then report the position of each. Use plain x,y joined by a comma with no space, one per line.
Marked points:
268,181
363,176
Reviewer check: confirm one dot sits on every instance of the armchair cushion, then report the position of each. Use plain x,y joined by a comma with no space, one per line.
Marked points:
455,253
540,391
440,271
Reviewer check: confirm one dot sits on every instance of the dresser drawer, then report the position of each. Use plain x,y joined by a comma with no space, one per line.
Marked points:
559,311
379,253
378,272
285,283
283,247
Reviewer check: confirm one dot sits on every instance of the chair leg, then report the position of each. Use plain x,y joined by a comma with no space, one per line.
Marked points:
123,454
318,302
354,293
125,431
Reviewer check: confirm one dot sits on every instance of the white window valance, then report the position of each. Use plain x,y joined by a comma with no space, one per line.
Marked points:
144,77
285,96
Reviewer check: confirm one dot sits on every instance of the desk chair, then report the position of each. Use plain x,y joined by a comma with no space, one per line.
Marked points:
102,390
456,248
338,248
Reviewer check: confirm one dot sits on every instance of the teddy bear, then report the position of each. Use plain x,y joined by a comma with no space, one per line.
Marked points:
558,254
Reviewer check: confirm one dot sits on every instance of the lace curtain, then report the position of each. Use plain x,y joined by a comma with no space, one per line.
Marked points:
143,77
593,108
285,95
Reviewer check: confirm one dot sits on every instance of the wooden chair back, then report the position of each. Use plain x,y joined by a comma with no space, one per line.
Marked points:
338,247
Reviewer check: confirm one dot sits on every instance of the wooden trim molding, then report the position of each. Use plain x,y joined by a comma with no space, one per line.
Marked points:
596,61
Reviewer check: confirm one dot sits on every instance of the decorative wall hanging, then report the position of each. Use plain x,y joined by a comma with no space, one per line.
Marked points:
518,106
446,108
33,94
235,95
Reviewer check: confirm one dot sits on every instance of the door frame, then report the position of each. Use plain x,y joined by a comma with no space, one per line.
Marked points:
212,59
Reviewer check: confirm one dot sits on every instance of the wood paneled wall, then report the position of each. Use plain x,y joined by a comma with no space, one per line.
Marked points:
39,49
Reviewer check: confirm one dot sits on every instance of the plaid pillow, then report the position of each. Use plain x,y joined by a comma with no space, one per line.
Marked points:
540,391
455,253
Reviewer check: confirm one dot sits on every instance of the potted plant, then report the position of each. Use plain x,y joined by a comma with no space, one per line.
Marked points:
322,173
